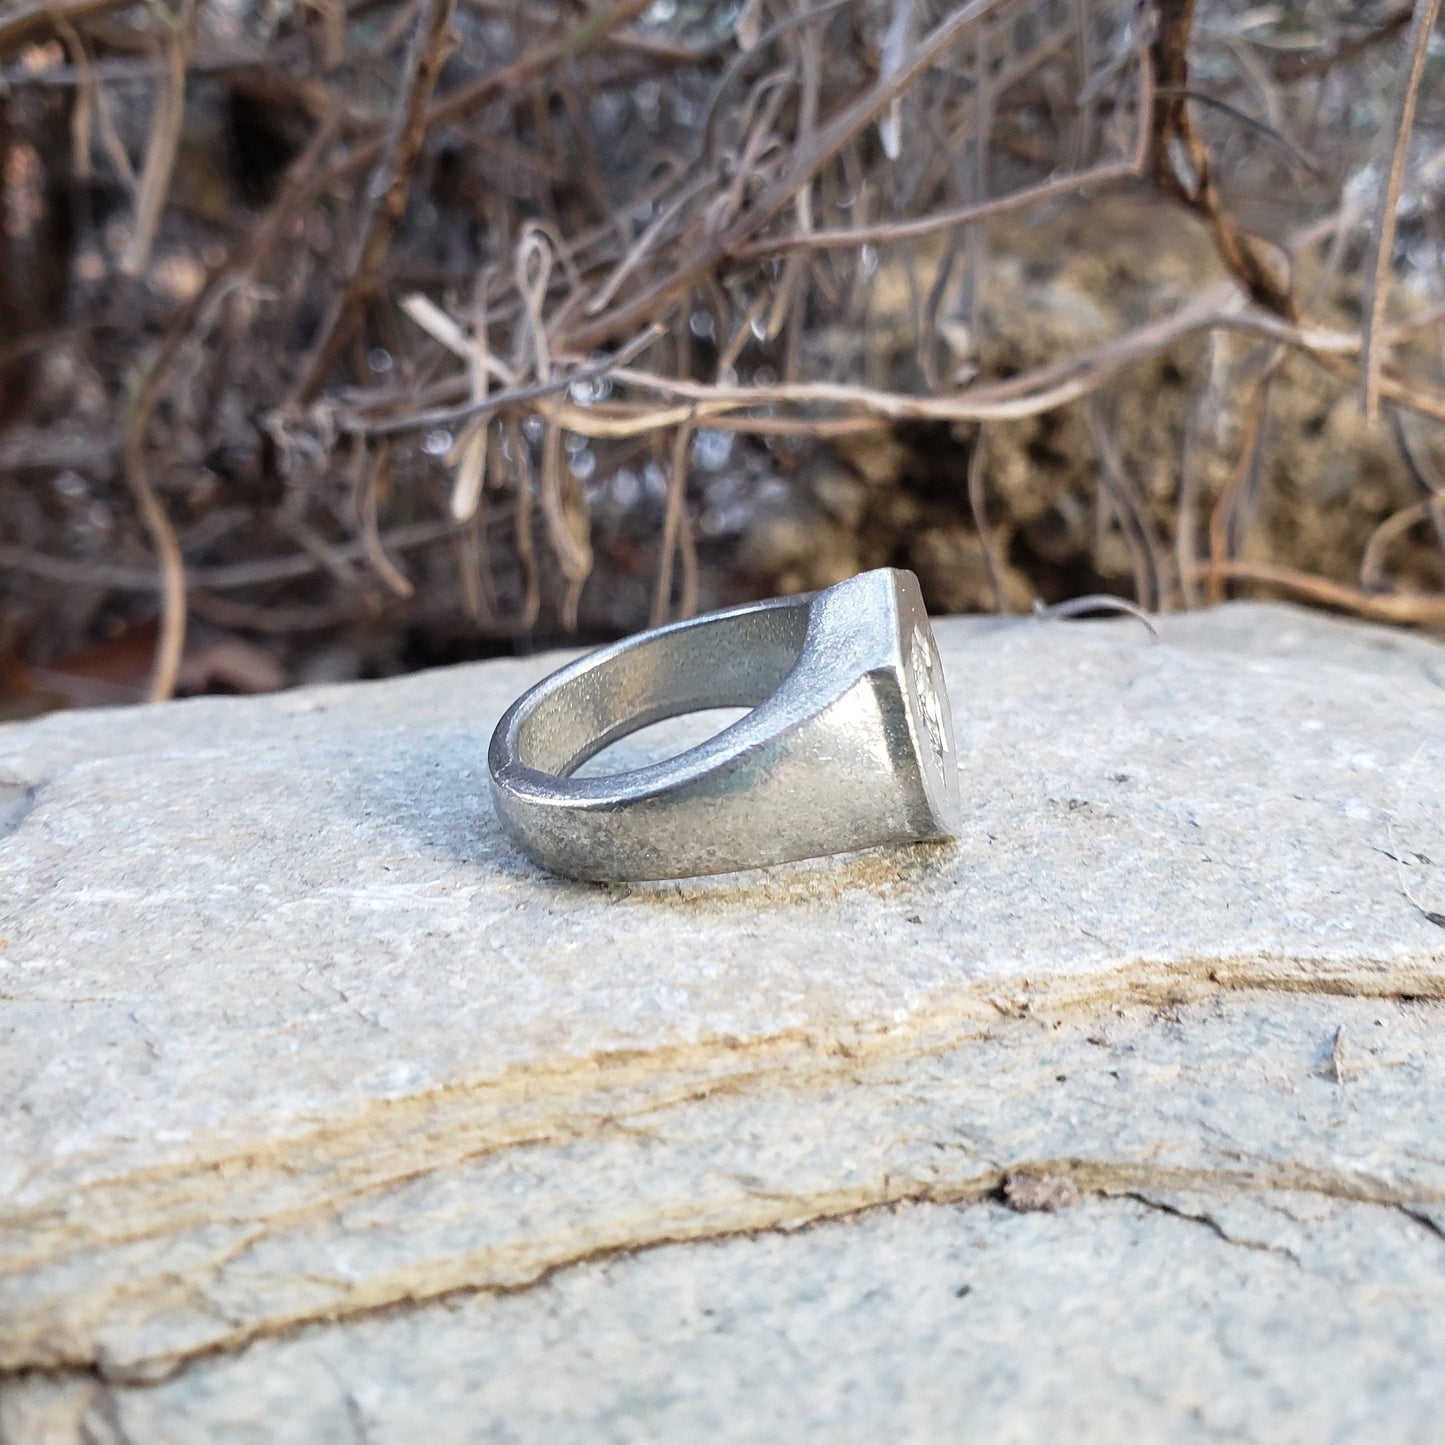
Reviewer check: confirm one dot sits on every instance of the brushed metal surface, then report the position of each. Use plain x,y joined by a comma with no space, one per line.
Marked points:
848,744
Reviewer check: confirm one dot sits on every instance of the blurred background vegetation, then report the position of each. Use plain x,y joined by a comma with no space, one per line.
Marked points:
342,337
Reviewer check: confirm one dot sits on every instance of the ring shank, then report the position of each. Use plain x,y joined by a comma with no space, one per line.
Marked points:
734,659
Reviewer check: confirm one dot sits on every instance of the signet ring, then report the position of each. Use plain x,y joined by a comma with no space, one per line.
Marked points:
848,743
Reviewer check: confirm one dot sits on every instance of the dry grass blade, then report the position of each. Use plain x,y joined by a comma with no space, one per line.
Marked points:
237,576
371,474
672,526
1145,549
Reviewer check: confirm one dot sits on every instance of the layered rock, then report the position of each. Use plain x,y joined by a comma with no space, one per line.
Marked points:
327,1114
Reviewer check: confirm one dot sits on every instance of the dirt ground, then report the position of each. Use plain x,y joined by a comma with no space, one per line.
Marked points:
1324,481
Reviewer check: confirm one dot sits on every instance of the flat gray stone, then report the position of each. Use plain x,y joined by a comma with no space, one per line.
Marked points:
1119,1319
294,1044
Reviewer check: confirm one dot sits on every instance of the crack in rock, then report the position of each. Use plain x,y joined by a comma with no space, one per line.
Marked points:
1423,1218
1209,1222
416,1199
110,1375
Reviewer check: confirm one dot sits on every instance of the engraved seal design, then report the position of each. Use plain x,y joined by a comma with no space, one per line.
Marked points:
927,671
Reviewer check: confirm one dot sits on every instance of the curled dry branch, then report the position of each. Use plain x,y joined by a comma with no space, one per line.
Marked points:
1182,167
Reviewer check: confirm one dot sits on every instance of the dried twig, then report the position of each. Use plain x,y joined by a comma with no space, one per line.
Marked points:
1396,525
1182,166
386,192
136,462
1321,591
1426,478
1388,204
236,576
165,136
33,22
1304,64
1094,603
828,141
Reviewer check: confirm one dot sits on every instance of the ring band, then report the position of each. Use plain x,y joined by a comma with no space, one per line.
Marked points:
848,744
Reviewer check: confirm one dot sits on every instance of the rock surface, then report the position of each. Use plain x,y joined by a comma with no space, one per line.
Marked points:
328,1118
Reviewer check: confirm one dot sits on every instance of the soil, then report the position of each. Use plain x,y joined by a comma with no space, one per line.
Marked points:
1325,477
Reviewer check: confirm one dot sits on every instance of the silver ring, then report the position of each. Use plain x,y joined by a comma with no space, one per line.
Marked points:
849,743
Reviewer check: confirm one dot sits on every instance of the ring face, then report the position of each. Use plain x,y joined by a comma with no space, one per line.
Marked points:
848,744
927,678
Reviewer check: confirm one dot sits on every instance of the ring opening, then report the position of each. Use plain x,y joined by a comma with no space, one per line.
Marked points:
734,661
659,741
